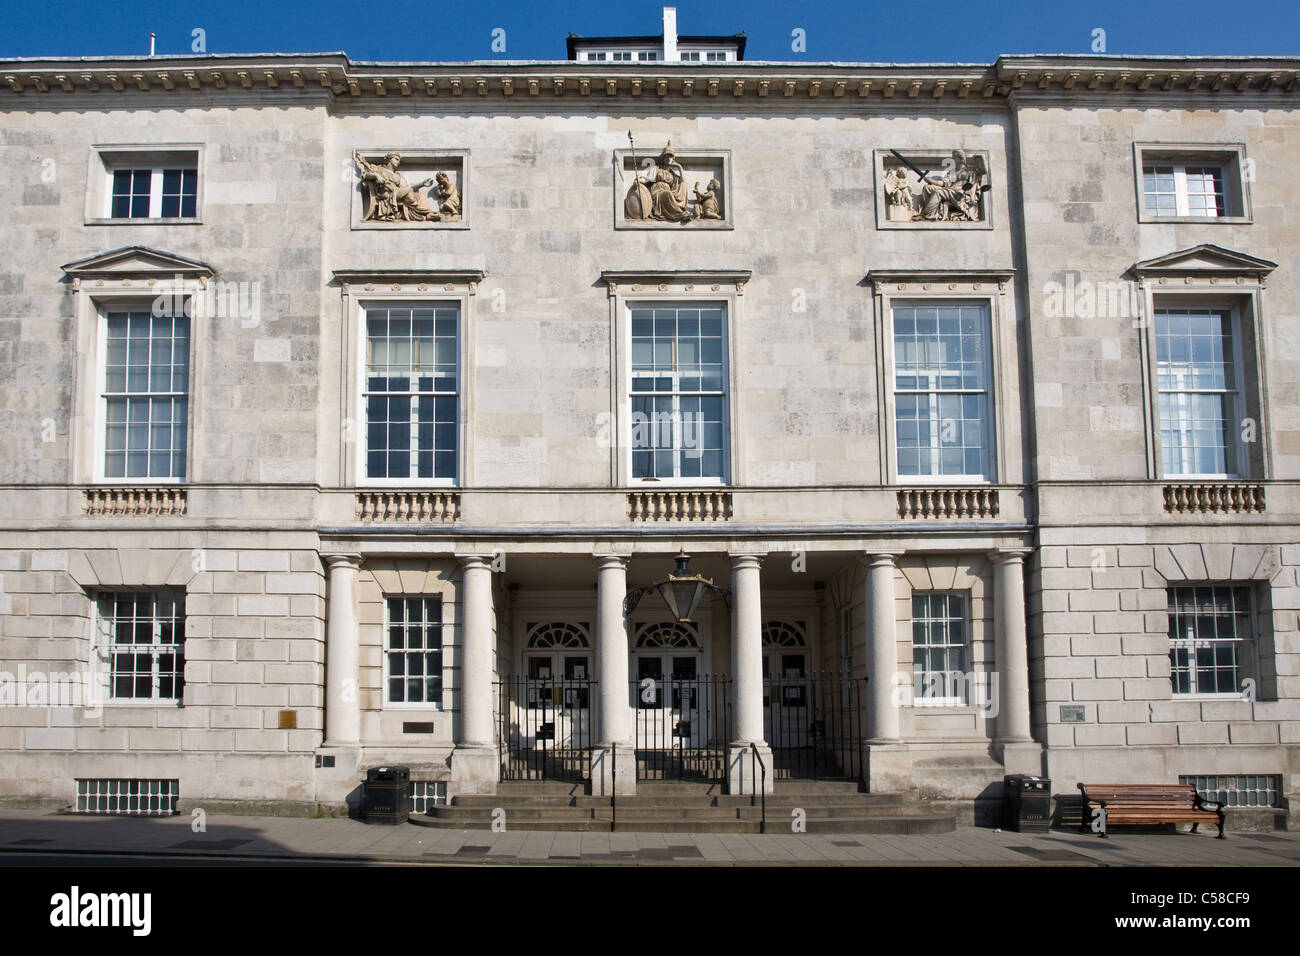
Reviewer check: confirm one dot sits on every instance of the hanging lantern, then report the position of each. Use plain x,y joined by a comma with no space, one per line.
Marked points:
682,591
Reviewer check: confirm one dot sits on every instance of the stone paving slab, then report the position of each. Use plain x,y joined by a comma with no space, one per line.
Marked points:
227,836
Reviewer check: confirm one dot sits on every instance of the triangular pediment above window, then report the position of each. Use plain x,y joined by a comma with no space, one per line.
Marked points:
1205,260
137,261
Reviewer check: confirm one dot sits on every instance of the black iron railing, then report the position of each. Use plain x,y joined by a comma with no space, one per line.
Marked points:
546,728
762,787
814,725
680,727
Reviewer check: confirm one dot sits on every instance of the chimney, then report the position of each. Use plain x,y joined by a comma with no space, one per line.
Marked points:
670,34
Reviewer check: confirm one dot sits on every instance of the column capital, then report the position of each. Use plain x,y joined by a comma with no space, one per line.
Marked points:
875,559
342,561
1010,555
605,559
749,559
472,561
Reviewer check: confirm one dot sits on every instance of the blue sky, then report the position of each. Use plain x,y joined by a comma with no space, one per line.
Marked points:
901,32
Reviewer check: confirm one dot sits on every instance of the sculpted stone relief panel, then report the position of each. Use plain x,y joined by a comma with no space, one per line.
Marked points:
670,188
686,188
929,189
410,188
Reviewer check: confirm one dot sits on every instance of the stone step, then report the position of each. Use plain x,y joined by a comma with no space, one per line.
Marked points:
512,813
816,786
786,800
804,799
774,800
931,823
684,788
515,800
782,815
567,826
540,788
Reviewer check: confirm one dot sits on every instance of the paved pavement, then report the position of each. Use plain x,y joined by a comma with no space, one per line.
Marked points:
28,833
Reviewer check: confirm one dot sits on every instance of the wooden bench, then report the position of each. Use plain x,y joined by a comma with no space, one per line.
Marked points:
1148,803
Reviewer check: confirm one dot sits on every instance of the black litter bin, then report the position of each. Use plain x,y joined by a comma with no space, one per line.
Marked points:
1026,803
388,794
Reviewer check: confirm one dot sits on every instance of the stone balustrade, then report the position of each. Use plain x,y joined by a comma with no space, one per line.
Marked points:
1219,497
679,506
118,502
417,506
948,502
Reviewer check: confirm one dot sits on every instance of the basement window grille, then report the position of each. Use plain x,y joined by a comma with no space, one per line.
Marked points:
1241,790
428,793
145,798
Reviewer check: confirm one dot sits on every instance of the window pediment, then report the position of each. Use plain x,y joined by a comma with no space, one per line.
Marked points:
136,262
1206,261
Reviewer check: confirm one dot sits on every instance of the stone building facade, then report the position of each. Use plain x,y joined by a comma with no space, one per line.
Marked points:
344,404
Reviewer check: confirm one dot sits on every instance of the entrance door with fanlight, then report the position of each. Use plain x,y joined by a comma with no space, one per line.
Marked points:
788,707
667,694
554,699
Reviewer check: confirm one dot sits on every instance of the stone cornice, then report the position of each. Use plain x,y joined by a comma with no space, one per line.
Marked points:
834,83
409,280
963,281
677,281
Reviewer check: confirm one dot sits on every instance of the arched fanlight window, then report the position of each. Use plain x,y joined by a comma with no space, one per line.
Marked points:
783,634
668,634
557,635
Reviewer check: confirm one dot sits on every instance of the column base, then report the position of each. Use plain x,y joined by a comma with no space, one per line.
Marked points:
475,769
745,774
613,773
1020,756
888,766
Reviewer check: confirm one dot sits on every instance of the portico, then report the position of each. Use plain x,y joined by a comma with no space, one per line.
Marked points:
810,664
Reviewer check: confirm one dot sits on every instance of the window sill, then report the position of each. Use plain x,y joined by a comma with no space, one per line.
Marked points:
137,482
939,481
171,221
1228,220
118,703
407,484
413,708
677,484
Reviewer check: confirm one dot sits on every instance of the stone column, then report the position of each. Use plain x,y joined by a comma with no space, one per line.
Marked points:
1011,654
745,772
882,639
342,640
885,757
613,759
474,766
